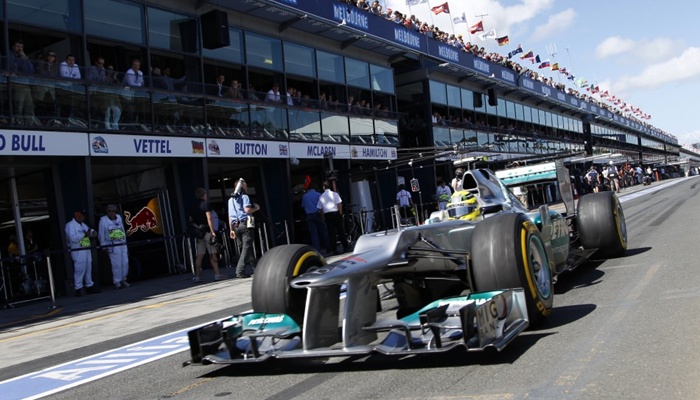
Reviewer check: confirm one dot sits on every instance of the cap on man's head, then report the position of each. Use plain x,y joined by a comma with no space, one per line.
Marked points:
111,207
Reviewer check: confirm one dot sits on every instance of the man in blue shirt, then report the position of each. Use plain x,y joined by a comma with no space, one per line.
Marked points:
317,228
240,211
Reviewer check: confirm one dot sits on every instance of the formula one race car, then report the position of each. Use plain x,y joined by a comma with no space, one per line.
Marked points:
474,276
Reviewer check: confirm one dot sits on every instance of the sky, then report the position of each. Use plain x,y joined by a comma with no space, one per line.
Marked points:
646,53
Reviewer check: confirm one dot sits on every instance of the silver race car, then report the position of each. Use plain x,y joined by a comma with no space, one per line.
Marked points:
474,275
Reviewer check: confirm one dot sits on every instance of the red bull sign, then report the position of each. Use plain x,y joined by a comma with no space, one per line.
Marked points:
146,219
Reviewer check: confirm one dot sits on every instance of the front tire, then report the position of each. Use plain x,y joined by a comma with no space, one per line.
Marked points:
271,292
508,252
601,224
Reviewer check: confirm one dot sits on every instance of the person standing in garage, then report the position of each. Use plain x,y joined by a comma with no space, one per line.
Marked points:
78,235
112,236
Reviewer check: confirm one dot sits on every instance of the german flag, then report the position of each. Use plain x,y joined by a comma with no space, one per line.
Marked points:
503,40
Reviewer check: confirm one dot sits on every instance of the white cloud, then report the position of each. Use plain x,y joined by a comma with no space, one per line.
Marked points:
555,24
613,46
681,68
647,50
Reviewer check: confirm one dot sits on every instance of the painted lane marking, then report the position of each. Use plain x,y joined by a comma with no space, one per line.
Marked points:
78,372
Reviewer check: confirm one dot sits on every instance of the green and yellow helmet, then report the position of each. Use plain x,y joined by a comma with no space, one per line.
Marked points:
463,205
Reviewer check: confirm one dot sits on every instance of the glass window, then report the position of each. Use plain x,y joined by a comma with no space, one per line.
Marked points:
534,115
490,110
299,60
232,53
467,99
172,31
441,137
304,125
330,67
519,112
382,78
457,136
362,130
510,109
357,73
264,52
453,96
335,127
106,18
57,14
438,92
501,108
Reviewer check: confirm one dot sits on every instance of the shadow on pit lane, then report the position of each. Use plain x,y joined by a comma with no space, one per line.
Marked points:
586,275
41,311
634,252
458,357
565,315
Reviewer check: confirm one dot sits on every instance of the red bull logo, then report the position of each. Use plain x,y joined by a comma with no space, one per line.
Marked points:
143,220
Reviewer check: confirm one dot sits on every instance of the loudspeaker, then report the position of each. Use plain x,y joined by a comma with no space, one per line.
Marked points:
493,100
215,29
478,100
188,36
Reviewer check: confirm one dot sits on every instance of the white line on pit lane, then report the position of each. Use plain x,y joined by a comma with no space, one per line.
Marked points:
78,372
651,190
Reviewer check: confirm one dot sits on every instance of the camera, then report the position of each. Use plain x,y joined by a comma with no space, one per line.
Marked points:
239,187
213,240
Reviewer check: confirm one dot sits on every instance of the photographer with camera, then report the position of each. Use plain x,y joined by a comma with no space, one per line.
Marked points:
202,215
242,224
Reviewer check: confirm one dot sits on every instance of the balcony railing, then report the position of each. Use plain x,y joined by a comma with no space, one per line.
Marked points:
51,103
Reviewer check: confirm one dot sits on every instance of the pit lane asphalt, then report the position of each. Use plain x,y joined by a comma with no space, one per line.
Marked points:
40,334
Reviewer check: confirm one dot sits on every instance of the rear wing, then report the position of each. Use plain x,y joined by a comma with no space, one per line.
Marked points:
528,174
540,173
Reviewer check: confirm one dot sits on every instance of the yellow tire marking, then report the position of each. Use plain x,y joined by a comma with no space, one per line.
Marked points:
526,260
304,257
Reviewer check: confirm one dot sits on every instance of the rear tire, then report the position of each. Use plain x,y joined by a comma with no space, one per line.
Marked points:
271,292
601,224
508,252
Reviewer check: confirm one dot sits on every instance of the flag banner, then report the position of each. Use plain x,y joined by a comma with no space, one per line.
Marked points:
555,67
460,20
478,27
516,51
488,35
415,2
503,40
537,59
529,54
544,64
442,8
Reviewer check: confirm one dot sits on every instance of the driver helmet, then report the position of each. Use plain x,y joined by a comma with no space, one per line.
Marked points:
463,205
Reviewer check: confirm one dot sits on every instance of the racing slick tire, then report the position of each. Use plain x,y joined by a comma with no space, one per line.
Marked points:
507,252
601,224
271,292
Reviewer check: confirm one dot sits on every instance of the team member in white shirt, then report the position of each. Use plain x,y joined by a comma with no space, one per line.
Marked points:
332,207
111,233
